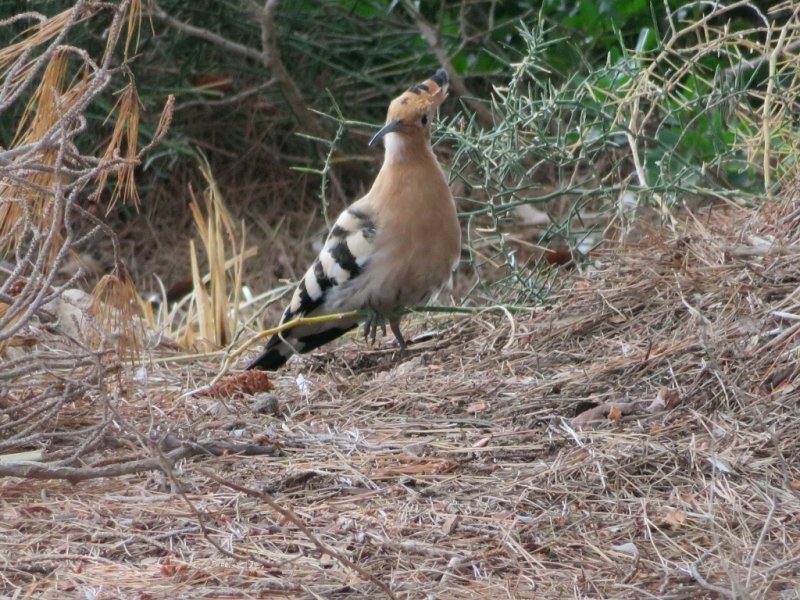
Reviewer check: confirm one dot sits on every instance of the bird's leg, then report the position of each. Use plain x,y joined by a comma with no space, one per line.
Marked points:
395,325
371,325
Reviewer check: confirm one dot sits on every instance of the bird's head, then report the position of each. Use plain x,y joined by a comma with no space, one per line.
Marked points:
412,112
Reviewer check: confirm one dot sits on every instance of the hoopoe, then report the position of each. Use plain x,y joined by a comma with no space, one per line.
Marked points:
393,248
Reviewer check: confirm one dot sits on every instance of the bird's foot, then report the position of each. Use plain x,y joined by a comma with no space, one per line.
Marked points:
395,325
374,321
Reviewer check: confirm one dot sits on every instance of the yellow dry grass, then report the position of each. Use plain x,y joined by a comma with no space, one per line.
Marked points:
35,192
212,310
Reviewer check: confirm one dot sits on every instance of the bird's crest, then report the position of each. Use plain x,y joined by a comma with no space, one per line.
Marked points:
422,97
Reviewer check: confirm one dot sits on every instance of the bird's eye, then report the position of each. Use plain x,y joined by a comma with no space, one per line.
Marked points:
424,119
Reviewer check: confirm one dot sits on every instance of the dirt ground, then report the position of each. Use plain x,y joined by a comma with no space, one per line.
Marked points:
637,437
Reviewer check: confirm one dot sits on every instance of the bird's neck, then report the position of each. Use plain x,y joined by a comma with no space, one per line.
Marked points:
410,172
406,148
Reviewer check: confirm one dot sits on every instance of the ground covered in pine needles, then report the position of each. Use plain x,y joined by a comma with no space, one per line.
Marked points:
635,438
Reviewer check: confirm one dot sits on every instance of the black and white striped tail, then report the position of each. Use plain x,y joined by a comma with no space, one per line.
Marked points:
342,260
278,351
273,357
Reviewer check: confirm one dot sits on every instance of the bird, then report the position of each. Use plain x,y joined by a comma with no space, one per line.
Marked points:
395,247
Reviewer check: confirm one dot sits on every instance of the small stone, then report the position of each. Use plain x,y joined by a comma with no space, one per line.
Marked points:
266,403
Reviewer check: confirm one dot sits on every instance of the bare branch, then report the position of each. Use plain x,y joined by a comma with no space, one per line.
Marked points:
457,85
54,352
75,474
272,60
269,56
177,450
703,582
205,34
235,99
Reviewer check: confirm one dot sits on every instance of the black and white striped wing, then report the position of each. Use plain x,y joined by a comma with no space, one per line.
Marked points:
327,286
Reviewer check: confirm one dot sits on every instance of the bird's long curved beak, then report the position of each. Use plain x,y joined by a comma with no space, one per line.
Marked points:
391,126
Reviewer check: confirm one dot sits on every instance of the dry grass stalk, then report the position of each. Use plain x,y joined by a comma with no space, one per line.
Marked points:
200,302
116,308
15,66
124,138
32,197
135,14
217,313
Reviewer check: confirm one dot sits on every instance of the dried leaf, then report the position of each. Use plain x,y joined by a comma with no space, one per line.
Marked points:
477,407
482,442
614,413
666,399
246,383
450,524
674,519
608,411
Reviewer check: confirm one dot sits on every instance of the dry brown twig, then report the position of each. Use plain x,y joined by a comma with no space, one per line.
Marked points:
298,522
268,55
457,85
612,411
59,344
